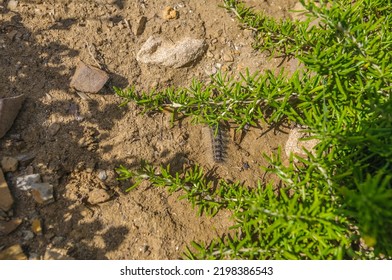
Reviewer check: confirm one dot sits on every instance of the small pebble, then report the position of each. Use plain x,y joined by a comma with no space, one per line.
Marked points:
9,164
143,248
169,13
42,192
245,165
12,4
211,71
58,240
36,227
102,175
225,68
27,235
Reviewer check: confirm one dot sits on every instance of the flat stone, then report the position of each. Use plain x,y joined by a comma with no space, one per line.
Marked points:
56,254
6,199
88,78
159,51
140,26
98,196
10,226
42,192
9,164
296,146
14,252
24,183
9,109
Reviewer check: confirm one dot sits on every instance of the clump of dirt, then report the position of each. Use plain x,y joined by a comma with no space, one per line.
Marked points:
76,141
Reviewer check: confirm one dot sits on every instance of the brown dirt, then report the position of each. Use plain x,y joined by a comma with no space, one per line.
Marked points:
72,139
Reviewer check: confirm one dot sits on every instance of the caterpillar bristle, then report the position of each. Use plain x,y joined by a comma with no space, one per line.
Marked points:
218,140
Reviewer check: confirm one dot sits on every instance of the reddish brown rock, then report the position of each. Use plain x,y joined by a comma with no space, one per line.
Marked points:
88,78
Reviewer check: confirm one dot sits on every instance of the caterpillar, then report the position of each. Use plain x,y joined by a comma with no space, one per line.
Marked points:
218,143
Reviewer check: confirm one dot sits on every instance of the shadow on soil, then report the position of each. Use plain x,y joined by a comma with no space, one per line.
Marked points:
36,70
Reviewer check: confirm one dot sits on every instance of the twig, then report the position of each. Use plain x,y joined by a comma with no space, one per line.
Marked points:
93,56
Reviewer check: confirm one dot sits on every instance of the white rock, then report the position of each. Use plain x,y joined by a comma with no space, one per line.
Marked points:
157,50
24,182
12,4
42,192
296,146
102,175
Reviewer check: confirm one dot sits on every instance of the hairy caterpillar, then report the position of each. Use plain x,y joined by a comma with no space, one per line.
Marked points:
218,143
